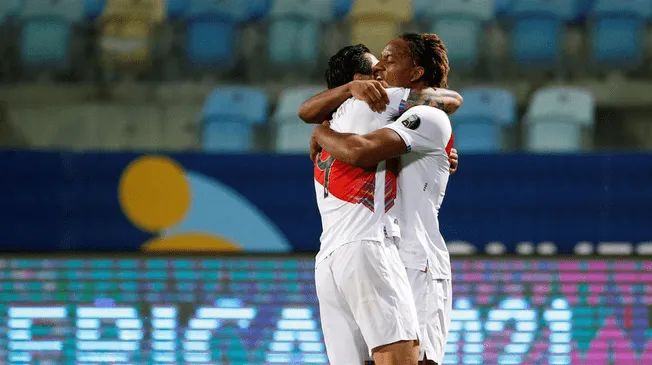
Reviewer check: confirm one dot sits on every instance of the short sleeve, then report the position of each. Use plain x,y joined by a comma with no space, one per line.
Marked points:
396,107
424,129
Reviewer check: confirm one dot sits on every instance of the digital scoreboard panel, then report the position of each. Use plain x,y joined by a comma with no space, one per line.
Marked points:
160,311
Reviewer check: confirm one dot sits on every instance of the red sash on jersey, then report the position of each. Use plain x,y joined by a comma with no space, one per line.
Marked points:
348,183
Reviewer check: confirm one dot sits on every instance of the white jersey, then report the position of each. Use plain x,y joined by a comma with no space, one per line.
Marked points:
427,133
352,201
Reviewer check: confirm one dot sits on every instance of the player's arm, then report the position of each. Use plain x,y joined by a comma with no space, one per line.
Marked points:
423,130
443,99
321,106
360,150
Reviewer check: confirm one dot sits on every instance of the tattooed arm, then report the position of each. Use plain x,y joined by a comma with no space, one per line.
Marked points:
447,100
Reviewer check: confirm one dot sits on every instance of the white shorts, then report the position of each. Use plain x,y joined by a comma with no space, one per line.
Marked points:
365,301
434,302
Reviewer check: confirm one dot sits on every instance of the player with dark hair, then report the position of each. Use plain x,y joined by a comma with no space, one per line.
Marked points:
419,62
348,64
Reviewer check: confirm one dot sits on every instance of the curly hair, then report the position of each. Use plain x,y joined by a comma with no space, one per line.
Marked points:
429,52
347,62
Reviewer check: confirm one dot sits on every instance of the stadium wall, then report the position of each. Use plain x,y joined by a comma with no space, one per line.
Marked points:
265,203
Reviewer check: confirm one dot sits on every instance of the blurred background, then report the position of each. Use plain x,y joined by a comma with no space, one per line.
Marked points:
132,129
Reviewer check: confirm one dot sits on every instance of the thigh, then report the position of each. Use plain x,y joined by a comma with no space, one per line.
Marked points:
421,285
342,336
373,281
439,317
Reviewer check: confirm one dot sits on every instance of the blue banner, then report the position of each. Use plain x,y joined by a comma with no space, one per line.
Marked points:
266,203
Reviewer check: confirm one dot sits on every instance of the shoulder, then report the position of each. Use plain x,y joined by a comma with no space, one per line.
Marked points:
426,114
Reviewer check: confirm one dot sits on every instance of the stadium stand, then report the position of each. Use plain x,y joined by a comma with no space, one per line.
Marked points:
128,28
458,23
374,22
618,29
294,36
46,32
276,44
292,134
478,127
229,117
557,119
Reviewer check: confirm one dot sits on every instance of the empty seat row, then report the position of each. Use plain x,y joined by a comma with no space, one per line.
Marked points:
295,32
556,119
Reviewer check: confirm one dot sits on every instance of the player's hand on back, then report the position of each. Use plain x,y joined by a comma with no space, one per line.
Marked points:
315,148
453,159
371,92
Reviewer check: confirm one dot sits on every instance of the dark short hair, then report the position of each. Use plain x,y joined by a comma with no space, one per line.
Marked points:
347,62
429,52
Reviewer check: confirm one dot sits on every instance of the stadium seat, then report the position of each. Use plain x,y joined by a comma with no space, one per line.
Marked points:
45,42
292,134
617,31
46,32
538,31
341,8
556,118
177,8
229,117
376,22
459,25
258,9
128,28
295,31
478,125
93,8
212,31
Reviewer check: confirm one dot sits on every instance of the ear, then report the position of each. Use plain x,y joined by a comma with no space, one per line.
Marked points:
417,73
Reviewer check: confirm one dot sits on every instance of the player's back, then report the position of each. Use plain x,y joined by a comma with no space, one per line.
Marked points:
422,184
352,200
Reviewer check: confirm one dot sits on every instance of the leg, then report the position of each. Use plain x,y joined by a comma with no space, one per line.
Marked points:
421,285
344,342
439,317
398,353
372,278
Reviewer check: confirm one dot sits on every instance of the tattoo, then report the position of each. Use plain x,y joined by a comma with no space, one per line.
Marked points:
428,96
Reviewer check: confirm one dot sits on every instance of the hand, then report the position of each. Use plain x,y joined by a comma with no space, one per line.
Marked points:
315,148
453,160
371,92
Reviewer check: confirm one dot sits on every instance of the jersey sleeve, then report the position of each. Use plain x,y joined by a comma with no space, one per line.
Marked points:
396,107
424,129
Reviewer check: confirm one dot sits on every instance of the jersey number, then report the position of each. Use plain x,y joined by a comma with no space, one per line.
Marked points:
326,167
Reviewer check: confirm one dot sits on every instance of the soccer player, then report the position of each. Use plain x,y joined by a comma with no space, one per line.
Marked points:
422,181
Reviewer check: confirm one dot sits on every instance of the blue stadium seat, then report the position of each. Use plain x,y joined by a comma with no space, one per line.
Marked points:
503,7
538,30
212,31
459,24
236,10
478,124
177,8
93,8
341,8
258,9
295,31
292,134
211,42
618,30
45,42
229,117
556,118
